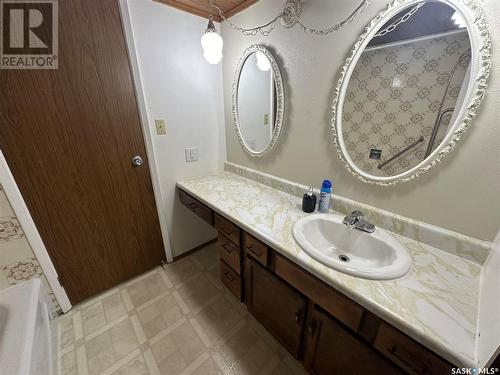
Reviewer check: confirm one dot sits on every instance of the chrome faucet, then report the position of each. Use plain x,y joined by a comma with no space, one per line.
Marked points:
357,220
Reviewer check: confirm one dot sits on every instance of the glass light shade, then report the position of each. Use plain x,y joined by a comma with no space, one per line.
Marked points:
212,45
458,20
262,61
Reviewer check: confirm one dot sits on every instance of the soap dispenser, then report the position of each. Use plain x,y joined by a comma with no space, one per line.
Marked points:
309,201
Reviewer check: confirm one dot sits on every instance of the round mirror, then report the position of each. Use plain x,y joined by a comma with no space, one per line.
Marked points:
405,93
258,102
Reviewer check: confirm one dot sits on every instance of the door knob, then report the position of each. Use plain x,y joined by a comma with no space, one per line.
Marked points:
137,161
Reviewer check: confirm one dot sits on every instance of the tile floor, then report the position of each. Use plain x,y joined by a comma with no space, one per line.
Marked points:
177,320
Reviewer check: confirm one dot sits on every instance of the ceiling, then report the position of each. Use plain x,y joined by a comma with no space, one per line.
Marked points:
200,7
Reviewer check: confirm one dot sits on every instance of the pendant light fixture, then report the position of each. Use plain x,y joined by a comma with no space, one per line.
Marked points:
211,41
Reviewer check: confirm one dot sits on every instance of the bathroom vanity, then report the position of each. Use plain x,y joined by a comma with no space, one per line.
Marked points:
330,321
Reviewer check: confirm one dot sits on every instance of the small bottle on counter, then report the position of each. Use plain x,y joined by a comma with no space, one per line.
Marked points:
309,201
324,196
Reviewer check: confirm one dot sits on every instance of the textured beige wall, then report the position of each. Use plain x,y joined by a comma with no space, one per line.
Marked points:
462,194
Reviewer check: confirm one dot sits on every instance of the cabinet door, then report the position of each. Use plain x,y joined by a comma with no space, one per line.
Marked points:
276,305
408,354
332,349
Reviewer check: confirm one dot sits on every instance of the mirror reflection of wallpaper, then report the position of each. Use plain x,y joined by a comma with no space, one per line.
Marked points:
17,260
394,96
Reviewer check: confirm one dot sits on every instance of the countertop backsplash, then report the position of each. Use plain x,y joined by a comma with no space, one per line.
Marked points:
443,239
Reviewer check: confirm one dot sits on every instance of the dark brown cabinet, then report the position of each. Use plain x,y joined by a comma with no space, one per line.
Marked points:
332,349
258,250
335,303
407,353
320,326
230,279
197,207
229,252
228,229
280,308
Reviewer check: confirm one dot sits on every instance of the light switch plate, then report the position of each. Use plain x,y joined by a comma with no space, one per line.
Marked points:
161,128
192,154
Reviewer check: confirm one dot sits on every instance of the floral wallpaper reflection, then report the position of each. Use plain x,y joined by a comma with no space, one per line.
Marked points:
394,96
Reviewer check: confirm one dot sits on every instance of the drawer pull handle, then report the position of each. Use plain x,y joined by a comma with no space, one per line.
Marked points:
404,361
297,317
226,232
229,276
193,205
255,252
311,327
227,248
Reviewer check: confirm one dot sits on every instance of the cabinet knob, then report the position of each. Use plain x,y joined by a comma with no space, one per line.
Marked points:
311,327
253,251
298,314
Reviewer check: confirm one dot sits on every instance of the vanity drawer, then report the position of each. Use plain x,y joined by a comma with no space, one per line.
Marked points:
335,303
257,249
230,279
228,229
408,354
229,253
197,207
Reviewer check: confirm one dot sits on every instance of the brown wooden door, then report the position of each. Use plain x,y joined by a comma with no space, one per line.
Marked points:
280,308
69,136
332,349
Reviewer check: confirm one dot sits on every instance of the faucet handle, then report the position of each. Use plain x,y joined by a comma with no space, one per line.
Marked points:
351,219
357,220
357,214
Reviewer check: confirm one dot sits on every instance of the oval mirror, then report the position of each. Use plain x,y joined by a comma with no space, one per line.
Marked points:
258,100
410,88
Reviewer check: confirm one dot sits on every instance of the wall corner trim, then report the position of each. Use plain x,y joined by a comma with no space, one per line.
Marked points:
146,131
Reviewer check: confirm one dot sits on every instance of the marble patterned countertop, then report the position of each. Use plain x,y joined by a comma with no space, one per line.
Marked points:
436,302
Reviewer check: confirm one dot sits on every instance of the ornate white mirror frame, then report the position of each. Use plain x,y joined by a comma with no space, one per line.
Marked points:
280,99
479,35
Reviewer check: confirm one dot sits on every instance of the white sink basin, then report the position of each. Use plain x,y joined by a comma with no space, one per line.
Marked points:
376,256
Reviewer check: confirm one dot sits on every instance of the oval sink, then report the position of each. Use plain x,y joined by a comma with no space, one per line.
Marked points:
376,256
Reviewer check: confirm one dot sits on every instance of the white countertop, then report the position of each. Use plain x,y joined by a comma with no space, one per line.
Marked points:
436,302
